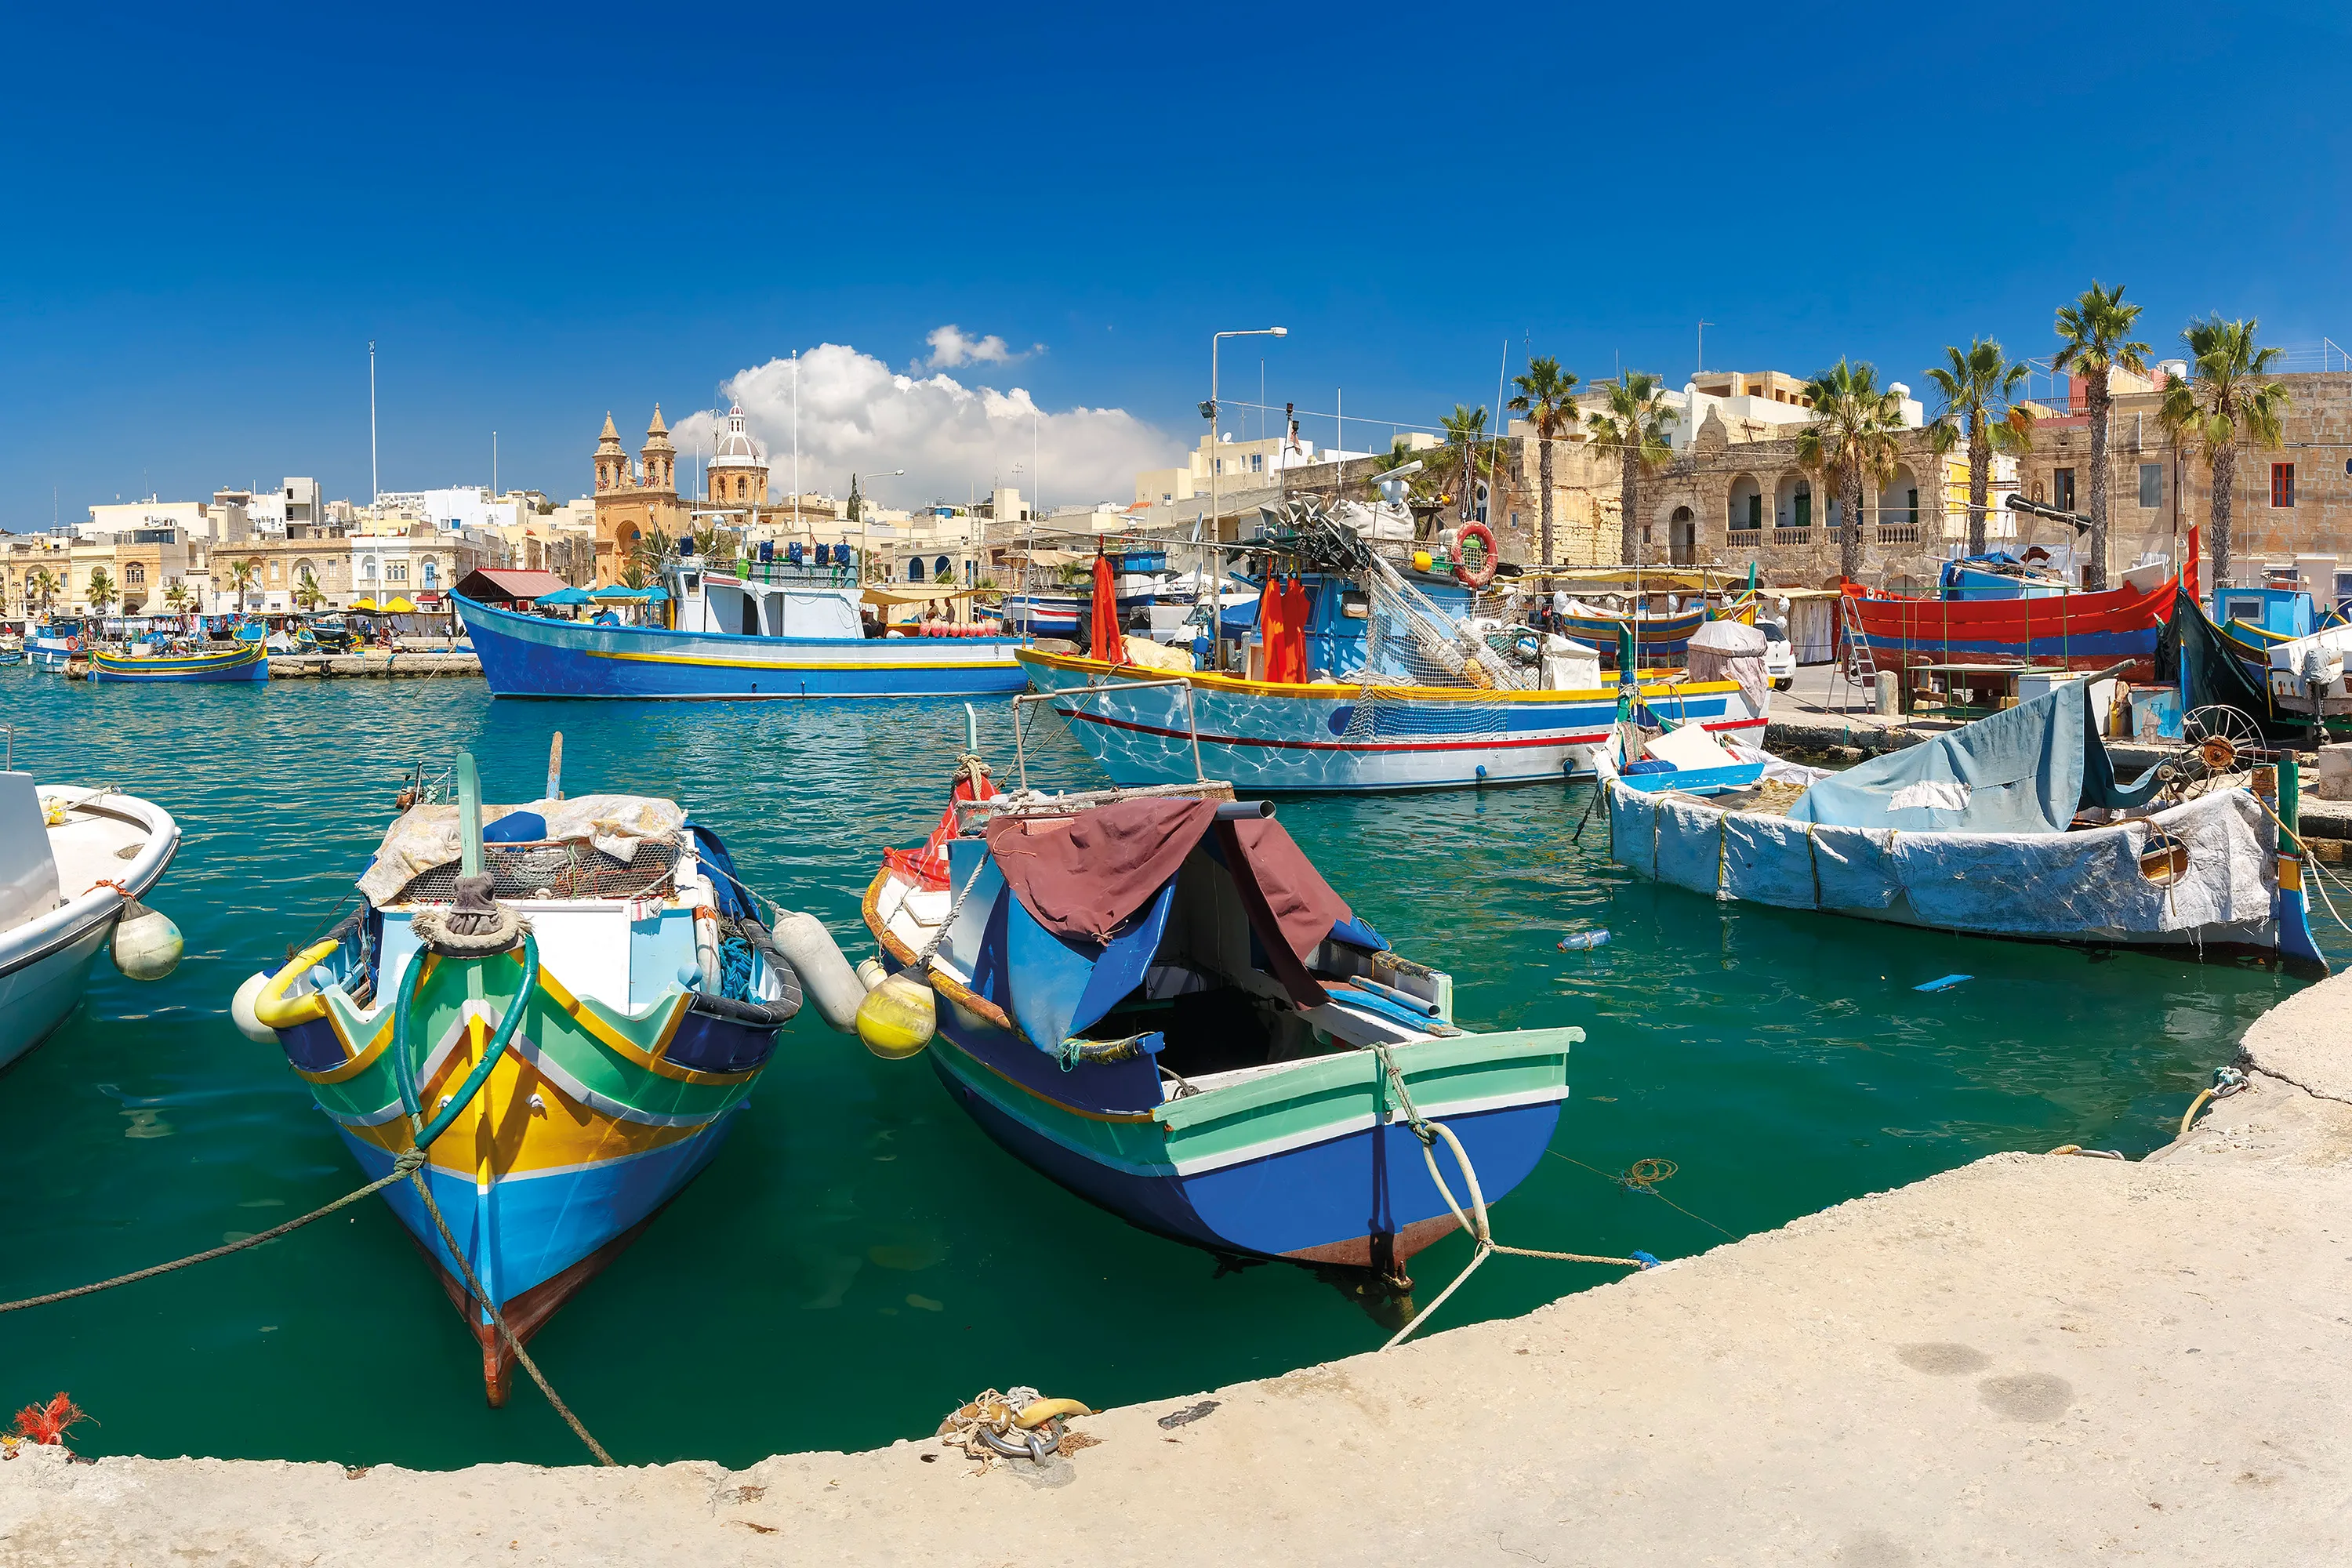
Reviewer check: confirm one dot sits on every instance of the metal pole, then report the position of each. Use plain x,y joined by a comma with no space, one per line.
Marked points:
375,491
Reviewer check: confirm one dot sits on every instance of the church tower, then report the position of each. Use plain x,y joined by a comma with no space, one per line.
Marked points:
738,467
612,463
659,457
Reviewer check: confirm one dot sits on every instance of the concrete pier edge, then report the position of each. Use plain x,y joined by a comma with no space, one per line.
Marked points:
2031,1358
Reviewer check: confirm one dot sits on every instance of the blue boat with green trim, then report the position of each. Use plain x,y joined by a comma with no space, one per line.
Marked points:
1153,997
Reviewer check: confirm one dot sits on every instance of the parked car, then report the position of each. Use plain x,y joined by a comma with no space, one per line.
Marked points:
1780,656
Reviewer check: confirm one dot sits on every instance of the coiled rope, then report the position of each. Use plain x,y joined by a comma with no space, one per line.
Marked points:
1481,1236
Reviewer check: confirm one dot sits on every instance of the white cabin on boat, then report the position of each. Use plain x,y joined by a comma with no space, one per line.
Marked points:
777,599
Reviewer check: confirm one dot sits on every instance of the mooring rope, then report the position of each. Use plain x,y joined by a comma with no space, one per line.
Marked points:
1475,1222
407,1161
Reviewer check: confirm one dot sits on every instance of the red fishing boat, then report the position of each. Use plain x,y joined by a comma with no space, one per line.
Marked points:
2075,630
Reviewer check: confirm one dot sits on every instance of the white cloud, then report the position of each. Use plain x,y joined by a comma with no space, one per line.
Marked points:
951,345
857,415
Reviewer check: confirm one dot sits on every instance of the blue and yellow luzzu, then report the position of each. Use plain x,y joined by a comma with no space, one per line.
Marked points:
565,1003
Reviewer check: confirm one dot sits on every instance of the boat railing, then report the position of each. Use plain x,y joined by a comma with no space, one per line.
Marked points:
1192,717
772,572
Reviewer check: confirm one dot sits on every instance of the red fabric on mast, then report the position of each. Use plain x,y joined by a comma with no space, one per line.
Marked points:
1295,608
1270,625
1106,635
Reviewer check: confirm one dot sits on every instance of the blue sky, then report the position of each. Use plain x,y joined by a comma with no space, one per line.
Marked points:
539,217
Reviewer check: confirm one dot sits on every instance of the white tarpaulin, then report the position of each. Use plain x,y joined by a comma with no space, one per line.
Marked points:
424,837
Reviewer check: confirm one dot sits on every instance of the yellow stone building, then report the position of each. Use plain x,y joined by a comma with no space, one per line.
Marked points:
630,503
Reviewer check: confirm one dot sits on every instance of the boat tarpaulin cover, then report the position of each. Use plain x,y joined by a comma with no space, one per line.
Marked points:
2027,771
426,835
2084,886
1083,876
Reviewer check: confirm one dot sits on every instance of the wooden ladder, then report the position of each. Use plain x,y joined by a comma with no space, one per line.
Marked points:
1860,664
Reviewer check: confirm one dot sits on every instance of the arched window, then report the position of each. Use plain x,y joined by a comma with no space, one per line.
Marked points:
915,570
367,568
940,570
740,491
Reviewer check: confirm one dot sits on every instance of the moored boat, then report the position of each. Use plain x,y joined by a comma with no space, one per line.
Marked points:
2015,826
1153,998
74,863
247,661
775,630
2073,630
566,1003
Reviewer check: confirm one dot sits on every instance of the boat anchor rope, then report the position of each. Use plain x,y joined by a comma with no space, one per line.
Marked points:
1481,1234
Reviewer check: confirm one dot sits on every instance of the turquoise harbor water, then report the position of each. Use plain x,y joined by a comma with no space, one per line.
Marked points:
860,1258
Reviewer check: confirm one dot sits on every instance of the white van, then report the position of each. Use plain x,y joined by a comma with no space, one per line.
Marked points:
1780,656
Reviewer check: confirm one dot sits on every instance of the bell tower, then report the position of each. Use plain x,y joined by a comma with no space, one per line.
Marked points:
659,456
612,463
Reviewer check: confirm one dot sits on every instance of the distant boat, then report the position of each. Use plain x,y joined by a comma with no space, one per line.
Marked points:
1208,1052
72,860
2075,630
246,662
565,1002
782,630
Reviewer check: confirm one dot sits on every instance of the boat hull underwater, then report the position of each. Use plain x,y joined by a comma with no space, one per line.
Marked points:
1233,1108
529,656
250,663
582,1081
1268,739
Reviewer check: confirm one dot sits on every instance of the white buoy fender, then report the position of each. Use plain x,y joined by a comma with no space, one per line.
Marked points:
241,1013
146,944
827,978
870,972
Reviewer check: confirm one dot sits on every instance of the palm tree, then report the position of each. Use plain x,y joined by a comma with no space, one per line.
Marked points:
1854,435
175,597
307,596
1547,397
2096,332
1468,456
240,581
40,587
1634,421
100,592
2226,393
1972,380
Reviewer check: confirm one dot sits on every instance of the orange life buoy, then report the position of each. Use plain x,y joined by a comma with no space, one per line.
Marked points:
1489,555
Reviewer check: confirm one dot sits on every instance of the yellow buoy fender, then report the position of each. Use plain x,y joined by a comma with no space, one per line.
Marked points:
1037,1412
898,1018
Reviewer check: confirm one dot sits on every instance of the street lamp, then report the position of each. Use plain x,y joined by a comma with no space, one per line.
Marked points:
1209,412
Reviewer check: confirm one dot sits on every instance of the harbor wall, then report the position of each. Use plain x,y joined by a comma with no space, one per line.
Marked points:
2034,1357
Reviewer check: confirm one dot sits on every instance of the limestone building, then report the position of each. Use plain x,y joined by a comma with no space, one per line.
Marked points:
632,503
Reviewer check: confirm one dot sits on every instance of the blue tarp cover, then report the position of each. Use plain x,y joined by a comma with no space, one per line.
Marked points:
2029,770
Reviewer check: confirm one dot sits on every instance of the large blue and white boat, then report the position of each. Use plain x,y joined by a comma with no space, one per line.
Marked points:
762,629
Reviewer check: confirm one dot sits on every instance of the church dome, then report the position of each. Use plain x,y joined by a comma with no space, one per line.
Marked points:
732,446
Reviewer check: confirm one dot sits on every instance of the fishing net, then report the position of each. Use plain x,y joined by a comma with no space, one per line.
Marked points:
573,870
1410,642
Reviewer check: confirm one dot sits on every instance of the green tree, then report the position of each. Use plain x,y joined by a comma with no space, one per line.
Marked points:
175,597
2226,393
307,593
1631,422
241,578
100,592
1547,397
1468,457
40,588
1853,438
1972,380
2094,335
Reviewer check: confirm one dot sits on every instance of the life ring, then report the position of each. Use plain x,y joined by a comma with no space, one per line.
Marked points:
1489,555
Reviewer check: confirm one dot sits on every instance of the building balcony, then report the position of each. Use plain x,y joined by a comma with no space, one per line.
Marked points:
1898,533
1793,535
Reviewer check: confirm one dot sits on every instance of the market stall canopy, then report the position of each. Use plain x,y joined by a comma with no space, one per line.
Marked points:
1654,580
400,606
561,596
504,585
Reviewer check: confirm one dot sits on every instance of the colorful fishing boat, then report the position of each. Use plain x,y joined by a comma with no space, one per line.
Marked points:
566,1002
1156,1000
772,629
74,863
246,661
2075,630
1659,639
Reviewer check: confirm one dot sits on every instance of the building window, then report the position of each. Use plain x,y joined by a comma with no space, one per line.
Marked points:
1912,507
2061,489
1257,466
2151,485
2282,484
395,570
432,574
367,568
1756,511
